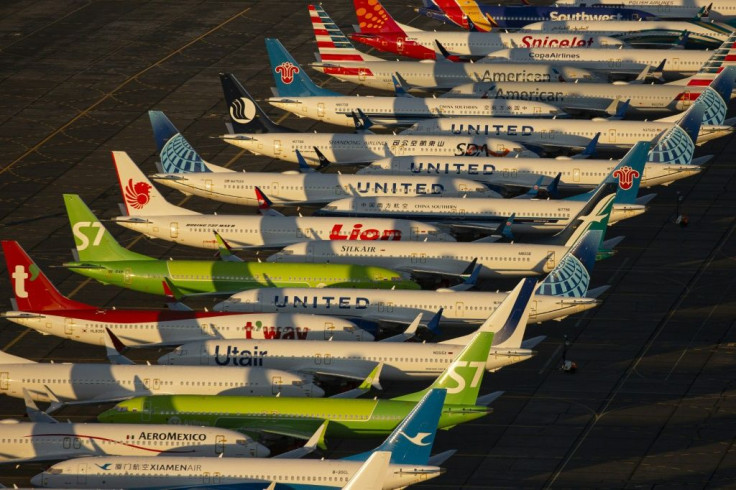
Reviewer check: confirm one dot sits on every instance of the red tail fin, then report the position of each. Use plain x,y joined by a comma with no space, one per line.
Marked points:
33,290
374,18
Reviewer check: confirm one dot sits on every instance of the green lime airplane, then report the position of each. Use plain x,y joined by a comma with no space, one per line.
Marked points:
347,418
101,257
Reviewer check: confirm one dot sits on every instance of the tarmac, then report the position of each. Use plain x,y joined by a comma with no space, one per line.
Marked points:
652,402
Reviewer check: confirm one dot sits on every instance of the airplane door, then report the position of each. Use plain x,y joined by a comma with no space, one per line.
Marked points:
69,326
318,359
362,72
459,309
208,185
276,383
550,261
329,330
415,233
4,377
418,258
321,110
399,44
576,175
174,229
537,110
219,444
611,135
328,359
275,189
277,147
156,384
686,100
82,473
127,276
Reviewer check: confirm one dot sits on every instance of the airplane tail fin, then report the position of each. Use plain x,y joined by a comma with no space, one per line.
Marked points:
596,220
33,290
722,56
374,18
246,115
571,277
332,44
140,196
177,155
411,441
677,144
91,238
291,79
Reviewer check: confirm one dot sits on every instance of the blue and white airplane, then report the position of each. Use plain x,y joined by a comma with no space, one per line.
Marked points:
409,446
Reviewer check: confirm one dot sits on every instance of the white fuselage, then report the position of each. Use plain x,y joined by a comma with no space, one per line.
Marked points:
560,133
590,98
668,9
348,148
86,382
312,188
531,216
405,111
641,31
611,61
91,329
276,231
42,441
172,472
460,308
430,75
402,361
496,259
525,172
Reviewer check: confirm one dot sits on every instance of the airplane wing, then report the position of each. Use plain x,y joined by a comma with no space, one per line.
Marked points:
317,440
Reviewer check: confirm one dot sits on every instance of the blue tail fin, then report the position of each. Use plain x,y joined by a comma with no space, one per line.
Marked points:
177,155
245,114
571,277
715,97
677,144
291,79
411,441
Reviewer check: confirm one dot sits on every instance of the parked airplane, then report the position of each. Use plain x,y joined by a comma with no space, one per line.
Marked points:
40,306
45,439
378,29
531,216
261,136
494,260
346,417
471,15
672,9
609,134
338,58
150,213
700,34
405,459
183,169
402,361
102,258
298,94
74,383
562,293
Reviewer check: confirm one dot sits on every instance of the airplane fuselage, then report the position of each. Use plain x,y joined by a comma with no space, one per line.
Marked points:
460,308
672,9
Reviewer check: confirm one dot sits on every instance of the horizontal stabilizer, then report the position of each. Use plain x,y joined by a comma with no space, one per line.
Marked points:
533,342
486,400
440,458
597,292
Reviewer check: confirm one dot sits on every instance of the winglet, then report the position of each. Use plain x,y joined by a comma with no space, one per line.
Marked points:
115,348
469,281
224,249
34,414
620,111
171,291
371,381
264,204
304,167
323,161
553,187
362,122
590,149
400,89
434,323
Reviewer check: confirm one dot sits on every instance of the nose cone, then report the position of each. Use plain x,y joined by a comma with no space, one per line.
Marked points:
166,359
37,481
314,391
260,451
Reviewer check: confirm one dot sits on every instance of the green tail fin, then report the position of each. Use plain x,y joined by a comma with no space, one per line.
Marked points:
463,377
93,241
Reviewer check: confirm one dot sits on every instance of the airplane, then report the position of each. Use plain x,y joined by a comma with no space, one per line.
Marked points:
347,418
257,133
609,134
672,9
402,361
77,383
378,29
101,257
494,260
183,169
150,213
471,15
657,33
45,438
339,58
531,216
404,460
298,94
40,306
562,293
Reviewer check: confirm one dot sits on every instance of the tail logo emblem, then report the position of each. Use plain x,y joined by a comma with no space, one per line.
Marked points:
137,195
626,176
287,70
242,110
418,440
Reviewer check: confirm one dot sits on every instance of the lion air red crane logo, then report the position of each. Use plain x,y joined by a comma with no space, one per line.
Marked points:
625,176
287,70
137,195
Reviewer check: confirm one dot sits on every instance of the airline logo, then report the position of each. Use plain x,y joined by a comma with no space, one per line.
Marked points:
479,367
242,110
357,233
327,302
715,107
105,466
570,279
236,357
418,440
178,156
287,70
451,168
372,20
625,176
675,147
83,238
547,42
554,15
137,195
19,277
167,436
283,333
